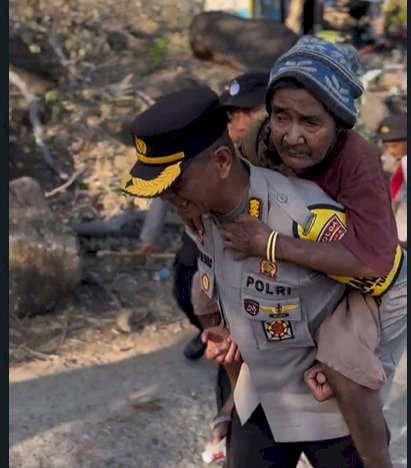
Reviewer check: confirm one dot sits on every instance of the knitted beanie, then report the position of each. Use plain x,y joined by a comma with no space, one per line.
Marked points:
326,70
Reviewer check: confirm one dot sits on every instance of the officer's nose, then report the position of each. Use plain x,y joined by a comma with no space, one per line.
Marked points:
294,135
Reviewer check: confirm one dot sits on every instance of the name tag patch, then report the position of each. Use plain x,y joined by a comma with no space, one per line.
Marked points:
267,287
278,330
206,259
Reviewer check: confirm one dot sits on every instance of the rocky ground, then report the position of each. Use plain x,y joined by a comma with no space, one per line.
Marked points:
101,381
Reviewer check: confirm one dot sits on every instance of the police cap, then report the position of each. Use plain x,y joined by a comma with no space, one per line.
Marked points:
246,91
169,134
393,128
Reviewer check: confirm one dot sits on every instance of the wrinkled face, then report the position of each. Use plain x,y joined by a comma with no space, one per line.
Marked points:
302,129
398,148
240,121
195,192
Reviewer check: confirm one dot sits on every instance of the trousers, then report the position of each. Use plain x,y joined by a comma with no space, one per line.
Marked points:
253,445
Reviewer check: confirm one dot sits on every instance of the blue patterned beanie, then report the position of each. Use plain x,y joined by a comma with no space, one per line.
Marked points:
326,70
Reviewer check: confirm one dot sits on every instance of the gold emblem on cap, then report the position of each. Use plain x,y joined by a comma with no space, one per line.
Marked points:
141,146
385,129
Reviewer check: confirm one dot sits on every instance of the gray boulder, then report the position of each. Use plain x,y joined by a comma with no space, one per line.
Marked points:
243,43
44,262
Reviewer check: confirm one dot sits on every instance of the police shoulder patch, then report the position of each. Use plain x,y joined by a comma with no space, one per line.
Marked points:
328,223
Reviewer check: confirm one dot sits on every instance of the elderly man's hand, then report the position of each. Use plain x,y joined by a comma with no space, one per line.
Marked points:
147,248
246,237
220,347
317,382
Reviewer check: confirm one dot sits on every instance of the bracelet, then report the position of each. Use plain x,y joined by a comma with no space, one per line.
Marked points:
268,249
270,252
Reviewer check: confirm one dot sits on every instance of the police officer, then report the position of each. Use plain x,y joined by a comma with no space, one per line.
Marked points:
272,308
392,132
243,99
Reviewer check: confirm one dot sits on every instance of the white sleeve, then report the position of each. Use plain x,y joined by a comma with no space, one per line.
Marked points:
154,220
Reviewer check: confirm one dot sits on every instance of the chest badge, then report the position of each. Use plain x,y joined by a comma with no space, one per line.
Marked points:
278,330
268,269
205,282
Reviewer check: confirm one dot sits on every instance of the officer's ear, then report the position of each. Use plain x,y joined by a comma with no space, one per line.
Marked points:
222,158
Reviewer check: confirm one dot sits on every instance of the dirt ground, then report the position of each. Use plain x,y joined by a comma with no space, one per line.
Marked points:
130,401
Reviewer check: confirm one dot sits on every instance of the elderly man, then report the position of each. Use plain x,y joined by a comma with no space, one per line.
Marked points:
273,308
311,102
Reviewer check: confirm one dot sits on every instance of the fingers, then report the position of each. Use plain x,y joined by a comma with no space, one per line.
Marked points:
204,336
211,335
237,356
244,218
320,377
229,357
312,371
220,431
226,234
216,352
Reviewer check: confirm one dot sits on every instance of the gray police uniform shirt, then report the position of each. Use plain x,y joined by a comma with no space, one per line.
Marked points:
273,312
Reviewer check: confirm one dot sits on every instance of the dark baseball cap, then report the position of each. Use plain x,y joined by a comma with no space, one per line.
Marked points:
246,91
393,128
169,134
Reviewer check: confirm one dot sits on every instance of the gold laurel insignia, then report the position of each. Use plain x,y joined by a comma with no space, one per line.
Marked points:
152,188
385,129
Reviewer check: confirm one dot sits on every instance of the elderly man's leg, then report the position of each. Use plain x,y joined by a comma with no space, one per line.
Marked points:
347,342
362,410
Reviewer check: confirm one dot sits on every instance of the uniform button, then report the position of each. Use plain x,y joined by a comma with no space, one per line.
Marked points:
282,198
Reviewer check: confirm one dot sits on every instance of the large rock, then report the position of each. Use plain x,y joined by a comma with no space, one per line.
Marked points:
242,43
41,60
44,263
